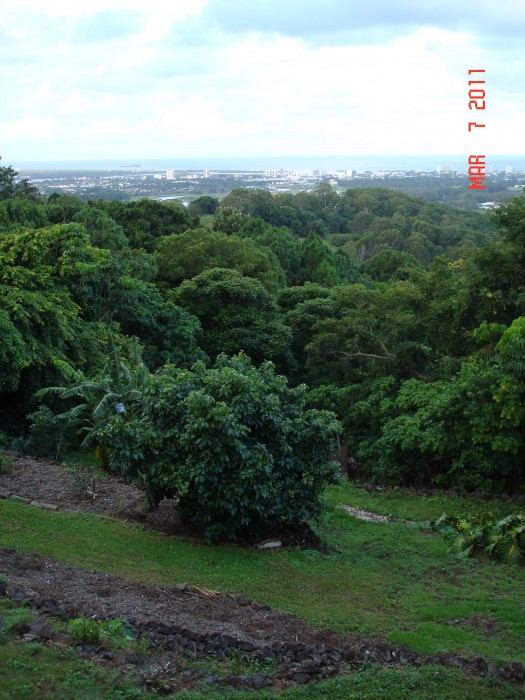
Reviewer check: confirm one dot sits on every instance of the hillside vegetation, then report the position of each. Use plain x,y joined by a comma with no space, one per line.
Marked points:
402,317
245,360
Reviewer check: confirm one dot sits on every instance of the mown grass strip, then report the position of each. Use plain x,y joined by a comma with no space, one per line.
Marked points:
411,506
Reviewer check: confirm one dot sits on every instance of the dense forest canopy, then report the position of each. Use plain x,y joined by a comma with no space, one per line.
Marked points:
405,318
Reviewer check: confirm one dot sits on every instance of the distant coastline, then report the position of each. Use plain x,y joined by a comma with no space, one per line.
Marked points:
258,163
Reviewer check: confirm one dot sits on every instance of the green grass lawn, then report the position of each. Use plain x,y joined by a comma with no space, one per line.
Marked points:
414,507
393,580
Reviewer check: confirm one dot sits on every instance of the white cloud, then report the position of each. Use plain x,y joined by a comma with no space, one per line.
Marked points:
159,80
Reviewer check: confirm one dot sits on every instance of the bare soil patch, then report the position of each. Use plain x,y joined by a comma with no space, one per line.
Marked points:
48,482
100,595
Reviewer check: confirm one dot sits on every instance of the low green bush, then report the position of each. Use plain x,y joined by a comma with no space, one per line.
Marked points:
6,465
113,632
504,538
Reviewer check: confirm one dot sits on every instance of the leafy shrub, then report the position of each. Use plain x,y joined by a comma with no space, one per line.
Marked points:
113,632
234,444
465,433
503,538
6,465
83,477
49,435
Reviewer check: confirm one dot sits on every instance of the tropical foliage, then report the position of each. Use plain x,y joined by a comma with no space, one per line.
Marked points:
405,318
472,534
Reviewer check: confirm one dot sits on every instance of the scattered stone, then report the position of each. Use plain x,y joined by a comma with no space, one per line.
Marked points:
62,638
20,628
481,665
46,506
507,672
259,681
270,544
42,629
301,678
4,494
309,666
299,662
366,515
20,498
16,594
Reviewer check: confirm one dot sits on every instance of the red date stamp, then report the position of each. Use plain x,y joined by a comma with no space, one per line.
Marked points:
476,96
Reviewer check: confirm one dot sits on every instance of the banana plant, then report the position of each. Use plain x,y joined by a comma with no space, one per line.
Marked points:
118,385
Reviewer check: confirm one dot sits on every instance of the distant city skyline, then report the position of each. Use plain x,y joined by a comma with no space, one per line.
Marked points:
387,162
229,78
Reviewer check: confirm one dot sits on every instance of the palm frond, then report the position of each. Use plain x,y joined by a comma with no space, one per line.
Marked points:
50,390
74,413
513,553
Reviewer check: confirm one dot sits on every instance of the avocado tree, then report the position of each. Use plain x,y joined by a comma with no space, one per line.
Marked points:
234,445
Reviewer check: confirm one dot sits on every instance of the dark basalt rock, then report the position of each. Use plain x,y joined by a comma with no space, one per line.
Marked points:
19,628
42,629
299,663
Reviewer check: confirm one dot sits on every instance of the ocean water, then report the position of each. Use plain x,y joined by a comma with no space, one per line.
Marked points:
426,162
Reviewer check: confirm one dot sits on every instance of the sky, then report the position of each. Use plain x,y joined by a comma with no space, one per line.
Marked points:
131,79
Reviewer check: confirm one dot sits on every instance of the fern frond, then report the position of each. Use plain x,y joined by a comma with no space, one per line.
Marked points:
513,554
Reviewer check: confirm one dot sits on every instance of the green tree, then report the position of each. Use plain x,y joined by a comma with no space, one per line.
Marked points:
10,187
281,241
186,255
102,230
229,220
167,332
389,265
373,332
236,446
203,205
39,317
316,264
145,221
237,313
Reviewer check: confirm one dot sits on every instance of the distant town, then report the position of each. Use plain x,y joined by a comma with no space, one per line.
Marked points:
132,182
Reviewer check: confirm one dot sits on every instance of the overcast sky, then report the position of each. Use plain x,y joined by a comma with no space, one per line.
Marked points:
211,78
